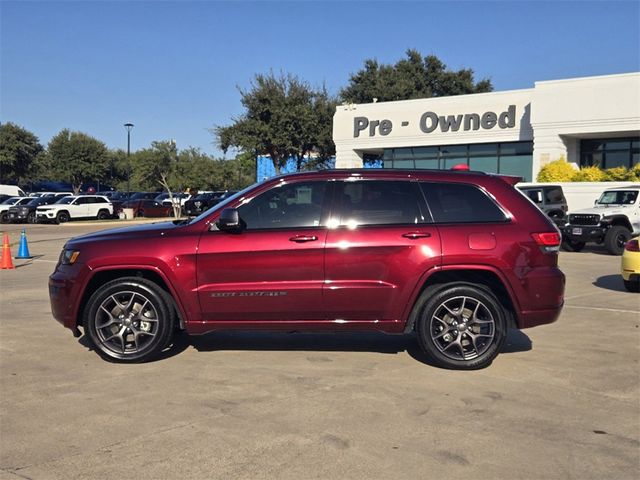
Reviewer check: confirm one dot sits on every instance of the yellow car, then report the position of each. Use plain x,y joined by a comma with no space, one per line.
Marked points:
631,265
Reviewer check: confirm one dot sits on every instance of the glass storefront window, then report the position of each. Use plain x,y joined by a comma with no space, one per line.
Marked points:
513,165
483,149
428,164
617,159
425,152
609,152
484,164
483,157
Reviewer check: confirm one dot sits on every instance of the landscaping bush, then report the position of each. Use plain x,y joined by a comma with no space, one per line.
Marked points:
616,174
589,174
557,171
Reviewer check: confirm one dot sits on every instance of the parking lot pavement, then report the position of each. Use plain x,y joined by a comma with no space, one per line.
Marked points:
562,400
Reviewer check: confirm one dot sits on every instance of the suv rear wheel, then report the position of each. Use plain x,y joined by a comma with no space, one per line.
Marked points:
129,320
103,215
461,326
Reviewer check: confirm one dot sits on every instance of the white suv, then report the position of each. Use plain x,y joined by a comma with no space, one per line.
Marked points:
74,207
613,220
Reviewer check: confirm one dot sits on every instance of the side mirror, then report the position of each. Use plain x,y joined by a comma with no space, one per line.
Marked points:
230,221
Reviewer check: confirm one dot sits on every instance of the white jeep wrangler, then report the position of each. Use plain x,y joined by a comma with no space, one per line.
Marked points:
613,220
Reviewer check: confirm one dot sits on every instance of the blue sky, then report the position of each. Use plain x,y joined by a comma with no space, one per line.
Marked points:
172,68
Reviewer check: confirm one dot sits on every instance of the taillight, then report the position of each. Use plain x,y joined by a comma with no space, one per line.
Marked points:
548,241
632,246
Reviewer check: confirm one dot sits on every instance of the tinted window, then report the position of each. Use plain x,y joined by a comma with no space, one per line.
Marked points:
378,203
286,206
460,203
554,195
534,195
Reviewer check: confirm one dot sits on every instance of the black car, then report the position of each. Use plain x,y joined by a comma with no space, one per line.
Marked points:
204,201
27,212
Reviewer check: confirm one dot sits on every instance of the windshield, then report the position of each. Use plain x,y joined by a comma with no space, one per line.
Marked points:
10,201
36,201
225,202
65,200
618,197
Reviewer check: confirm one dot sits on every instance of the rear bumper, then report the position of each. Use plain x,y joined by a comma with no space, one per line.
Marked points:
544,297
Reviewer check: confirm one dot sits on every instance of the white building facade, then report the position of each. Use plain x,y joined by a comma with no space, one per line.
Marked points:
588,121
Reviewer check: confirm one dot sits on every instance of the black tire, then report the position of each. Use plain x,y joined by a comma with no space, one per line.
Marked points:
114,326
62,217
103,215
632,285
4,217
31,217
615,239
461,326
571,246
140,213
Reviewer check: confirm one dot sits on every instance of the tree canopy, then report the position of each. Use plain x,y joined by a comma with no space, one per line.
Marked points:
412,77
284,117
77,157
18,150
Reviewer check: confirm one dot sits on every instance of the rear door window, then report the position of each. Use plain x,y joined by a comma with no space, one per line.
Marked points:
461,203
554,195
379,202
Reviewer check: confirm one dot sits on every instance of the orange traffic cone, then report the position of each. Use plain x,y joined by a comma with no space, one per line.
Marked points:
6,263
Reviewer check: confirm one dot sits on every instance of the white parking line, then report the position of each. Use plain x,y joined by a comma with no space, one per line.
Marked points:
603,309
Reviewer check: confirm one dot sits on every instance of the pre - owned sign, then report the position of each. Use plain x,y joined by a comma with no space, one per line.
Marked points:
430,121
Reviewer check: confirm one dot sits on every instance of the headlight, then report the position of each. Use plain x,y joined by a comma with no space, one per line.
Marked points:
69,257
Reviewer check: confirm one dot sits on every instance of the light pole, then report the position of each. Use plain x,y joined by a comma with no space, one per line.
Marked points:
128,126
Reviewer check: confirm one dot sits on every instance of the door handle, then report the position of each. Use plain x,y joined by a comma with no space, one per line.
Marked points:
416,235
303,238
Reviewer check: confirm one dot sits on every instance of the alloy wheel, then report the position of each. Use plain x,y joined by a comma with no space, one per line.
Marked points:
462,328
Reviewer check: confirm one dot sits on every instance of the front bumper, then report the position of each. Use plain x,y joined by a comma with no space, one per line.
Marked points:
45,215
65,290
584,233
17,217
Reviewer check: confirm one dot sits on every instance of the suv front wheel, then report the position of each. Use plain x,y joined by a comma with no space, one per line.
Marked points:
615,239
129,319
461,326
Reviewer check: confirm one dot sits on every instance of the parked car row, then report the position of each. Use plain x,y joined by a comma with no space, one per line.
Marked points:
61,207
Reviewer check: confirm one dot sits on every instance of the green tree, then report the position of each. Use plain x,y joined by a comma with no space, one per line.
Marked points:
77,157
18,150
284,117
149,164
412,77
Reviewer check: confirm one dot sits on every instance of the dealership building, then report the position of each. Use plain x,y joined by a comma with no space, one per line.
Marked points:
588,121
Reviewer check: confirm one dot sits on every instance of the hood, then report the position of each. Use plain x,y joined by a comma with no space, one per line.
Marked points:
147,231
602,210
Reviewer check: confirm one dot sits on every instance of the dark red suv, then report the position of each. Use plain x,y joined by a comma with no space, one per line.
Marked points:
456,257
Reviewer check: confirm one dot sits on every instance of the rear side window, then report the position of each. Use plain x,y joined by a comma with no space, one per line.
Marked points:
461,203
554,195
378,202
534,195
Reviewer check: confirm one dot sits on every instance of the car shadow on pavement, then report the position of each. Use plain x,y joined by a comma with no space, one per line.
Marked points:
610,282
334,342
516,341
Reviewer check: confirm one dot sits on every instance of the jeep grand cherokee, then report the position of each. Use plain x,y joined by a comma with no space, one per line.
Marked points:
456,257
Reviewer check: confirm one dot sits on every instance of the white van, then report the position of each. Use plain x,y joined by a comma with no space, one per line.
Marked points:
11,190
